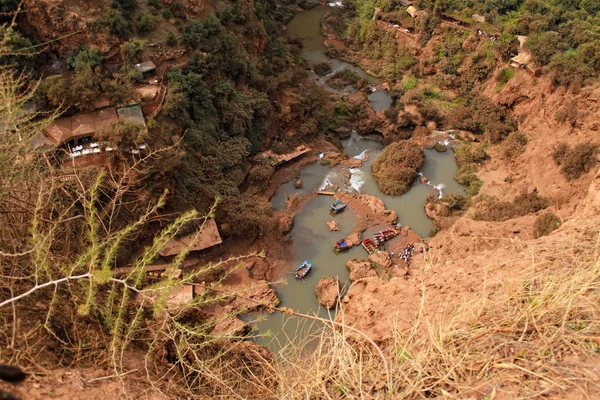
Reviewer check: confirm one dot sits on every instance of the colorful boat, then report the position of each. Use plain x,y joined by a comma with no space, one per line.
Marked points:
384,235
369,246
338,206
341,245
303,269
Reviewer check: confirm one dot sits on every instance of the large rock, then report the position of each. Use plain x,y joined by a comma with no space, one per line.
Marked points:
333,225
231,326
382,258
257,297
378,207
258,268
286,222
354,239
328,290
360,269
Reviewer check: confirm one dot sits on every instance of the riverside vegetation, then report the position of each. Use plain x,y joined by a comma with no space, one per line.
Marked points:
526,328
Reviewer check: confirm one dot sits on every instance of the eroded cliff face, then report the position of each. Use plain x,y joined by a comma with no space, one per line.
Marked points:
66,24
66,20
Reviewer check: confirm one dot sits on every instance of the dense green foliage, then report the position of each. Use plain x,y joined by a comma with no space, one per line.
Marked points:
88,79
221,102
563,35
396,167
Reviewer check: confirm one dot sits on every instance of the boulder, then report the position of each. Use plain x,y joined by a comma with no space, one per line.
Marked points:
424,179
333,225
298,184
258,268
286,222
328,290
258,297
354,239
382,258
231,326
360,269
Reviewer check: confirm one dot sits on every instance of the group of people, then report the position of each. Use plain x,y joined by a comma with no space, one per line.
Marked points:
481,32
407,251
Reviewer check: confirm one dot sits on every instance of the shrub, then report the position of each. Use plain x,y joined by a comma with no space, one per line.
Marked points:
261,171
195,33
396,167
166,13
132,52
178,9
523,204
87,57
546,224
172,39
127,6
321,67
503,76
577,161
568,113
117,25
468,153
479,115
343,78
409,83
145,23
514,145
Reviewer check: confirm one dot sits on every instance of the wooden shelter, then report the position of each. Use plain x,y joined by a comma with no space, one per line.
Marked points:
78,126
206,238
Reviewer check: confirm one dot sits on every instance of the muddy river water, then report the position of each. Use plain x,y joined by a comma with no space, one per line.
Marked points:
307,25
311,240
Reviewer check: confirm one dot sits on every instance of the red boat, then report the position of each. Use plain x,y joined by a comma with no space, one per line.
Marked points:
369,246
384,235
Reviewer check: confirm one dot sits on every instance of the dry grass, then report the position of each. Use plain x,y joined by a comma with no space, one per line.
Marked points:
537,335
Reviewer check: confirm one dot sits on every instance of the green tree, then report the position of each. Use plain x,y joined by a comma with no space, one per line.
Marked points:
543,46
85,88
132,52
145,23
117,25
87,57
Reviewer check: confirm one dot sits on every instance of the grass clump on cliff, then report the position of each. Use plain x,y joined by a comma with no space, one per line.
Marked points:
514,145
396,167
575,161
523,204
545,224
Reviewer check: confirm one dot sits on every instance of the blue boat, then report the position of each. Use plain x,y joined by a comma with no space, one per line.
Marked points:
341,245
338,206
303,269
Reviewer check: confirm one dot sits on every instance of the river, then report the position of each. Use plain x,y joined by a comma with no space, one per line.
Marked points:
307,25
311,240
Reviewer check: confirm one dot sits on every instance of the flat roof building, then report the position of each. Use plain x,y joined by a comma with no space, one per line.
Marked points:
145,67
131,113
